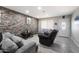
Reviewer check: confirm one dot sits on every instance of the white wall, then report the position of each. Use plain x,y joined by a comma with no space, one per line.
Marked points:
58,20
75,31
65,23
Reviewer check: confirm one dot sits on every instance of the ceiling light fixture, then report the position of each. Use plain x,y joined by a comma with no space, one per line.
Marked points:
27,11
37,16
39,8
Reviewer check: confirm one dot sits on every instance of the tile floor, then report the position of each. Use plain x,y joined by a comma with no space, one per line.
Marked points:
61,45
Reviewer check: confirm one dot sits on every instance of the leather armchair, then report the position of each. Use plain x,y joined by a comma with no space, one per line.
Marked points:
47,39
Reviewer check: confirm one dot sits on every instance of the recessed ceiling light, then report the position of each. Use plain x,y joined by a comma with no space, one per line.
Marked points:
27,11
37,16
39,8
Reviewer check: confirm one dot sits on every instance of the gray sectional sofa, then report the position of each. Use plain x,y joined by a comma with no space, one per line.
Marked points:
9,44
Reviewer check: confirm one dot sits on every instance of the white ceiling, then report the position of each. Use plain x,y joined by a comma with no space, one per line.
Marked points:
47,11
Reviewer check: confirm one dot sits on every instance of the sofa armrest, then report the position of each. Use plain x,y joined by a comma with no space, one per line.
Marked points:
28,48
1,51
43,36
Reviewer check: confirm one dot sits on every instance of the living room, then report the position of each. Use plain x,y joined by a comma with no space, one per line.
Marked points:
39,29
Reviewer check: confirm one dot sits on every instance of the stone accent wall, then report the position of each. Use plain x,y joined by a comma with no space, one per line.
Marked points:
15,22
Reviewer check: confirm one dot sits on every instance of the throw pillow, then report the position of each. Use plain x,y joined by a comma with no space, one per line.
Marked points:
17,40
9,46
7,35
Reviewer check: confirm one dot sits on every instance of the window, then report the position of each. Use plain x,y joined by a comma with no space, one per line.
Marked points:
28,20
63,24
43,24
47,24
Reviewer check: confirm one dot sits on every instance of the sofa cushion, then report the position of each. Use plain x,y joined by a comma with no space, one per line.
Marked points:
29,47
17,40
8,45
1,51
7,35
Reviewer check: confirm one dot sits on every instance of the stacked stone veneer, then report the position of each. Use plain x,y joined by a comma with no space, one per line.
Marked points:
15,22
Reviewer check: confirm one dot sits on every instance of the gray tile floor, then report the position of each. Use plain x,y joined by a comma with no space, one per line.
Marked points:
61,45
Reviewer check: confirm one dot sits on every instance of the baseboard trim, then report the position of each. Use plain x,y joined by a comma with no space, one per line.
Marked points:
64,36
